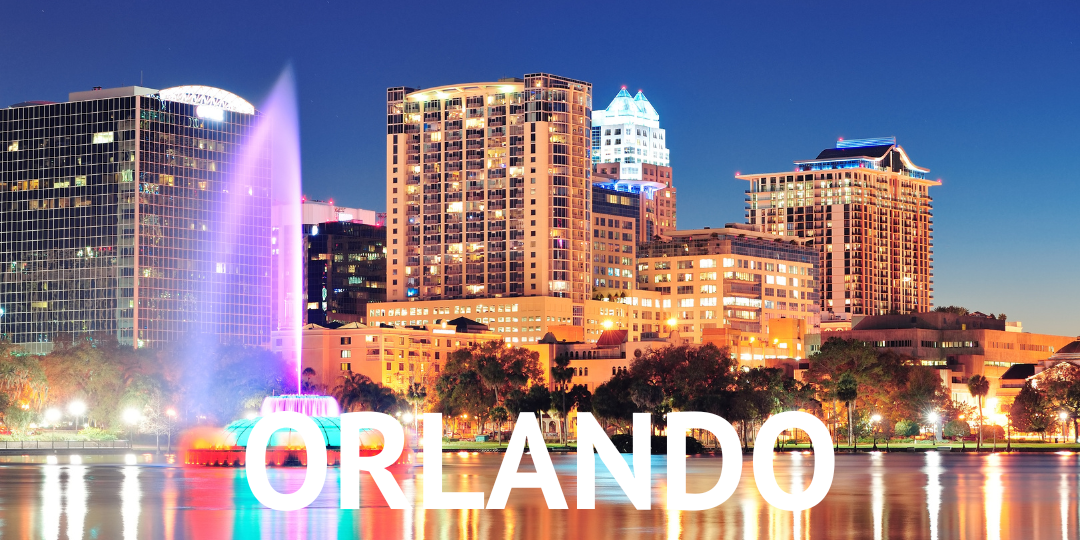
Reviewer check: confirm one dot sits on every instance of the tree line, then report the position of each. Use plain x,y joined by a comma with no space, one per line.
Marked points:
200,380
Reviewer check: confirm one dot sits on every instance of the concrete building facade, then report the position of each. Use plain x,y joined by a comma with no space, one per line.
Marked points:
488,188
731,284
867,209
393,357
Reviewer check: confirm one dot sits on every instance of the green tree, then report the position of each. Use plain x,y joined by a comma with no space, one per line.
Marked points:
22,377
877,374
611,401
847,390
1062,385
954,310
906,428
979,386
357,392
499,415
561,375
1031,411
957,428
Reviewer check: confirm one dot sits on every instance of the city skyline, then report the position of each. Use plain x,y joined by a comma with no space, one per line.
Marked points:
937,87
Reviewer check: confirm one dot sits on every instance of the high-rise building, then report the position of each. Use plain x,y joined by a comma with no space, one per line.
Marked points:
734,285
633,198
867,209
488,188
136,213
628,131
631,161
345,270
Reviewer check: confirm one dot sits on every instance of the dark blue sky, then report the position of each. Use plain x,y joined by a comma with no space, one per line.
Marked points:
984,94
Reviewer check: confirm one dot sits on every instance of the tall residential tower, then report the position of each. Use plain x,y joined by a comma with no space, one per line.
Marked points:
867,208
488,188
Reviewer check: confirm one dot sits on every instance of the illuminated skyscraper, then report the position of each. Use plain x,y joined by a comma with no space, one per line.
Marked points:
867,208
633,195
488,189
133,212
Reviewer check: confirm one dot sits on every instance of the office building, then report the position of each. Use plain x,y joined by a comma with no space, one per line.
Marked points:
488,188
867,209
631,159
345,270
135,213
628,131
734,285
633,198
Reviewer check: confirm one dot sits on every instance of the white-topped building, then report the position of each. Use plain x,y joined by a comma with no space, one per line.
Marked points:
628,132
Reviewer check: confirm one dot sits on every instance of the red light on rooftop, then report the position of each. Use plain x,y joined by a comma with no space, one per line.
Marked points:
331,201
840,139
624,87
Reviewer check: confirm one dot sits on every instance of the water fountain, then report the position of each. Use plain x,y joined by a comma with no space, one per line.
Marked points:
228,447
278,130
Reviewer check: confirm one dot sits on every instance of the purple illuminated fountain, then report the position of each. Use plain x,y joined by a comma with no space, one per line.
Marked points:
324,406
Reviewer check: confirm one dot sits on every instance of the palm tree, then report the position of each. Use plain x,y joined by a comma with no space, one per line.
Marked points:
351,391
847,390
561,376
979,386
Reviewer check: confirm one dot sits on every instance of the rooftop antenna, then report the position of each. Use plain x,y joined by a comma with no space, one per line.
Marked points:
140,78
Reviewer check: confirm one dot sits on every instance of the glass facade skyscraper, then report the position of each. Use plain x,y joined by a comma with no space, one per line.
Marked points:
135,213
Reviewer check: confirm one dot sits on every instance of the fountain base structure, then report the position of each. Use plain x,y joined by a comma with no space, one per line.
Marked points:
228,447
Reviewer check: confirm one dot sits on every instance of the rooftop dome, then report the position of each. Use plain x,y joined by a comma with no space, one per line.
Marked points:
1068,352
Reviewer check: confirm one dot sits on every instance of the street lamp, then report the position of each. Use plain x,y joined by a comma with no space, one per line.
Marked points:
873,427
1064,428
171,413
77,408
131,417
934,419
52,416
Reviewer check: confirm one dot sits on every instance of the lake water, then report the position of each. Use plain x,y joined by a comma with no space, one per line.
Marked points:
901,495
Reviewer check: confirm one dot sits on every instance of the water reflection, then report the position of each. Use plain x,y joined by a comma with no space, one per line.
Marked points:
130,496
877,492
933,490
51,505
994,492
1063,496
75,499
904,495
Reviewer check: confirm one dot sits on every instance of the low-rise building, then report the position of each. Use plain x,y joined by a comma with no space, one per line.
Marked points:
735,279
396,357
526,319
960,346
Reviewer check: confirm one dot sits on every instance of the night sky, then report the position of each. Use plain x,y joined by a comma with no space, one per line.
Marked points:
984,94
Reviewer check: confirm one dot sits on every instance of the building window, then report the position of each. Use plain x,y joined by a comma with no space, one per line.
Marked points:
346,366
346,341
346,354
